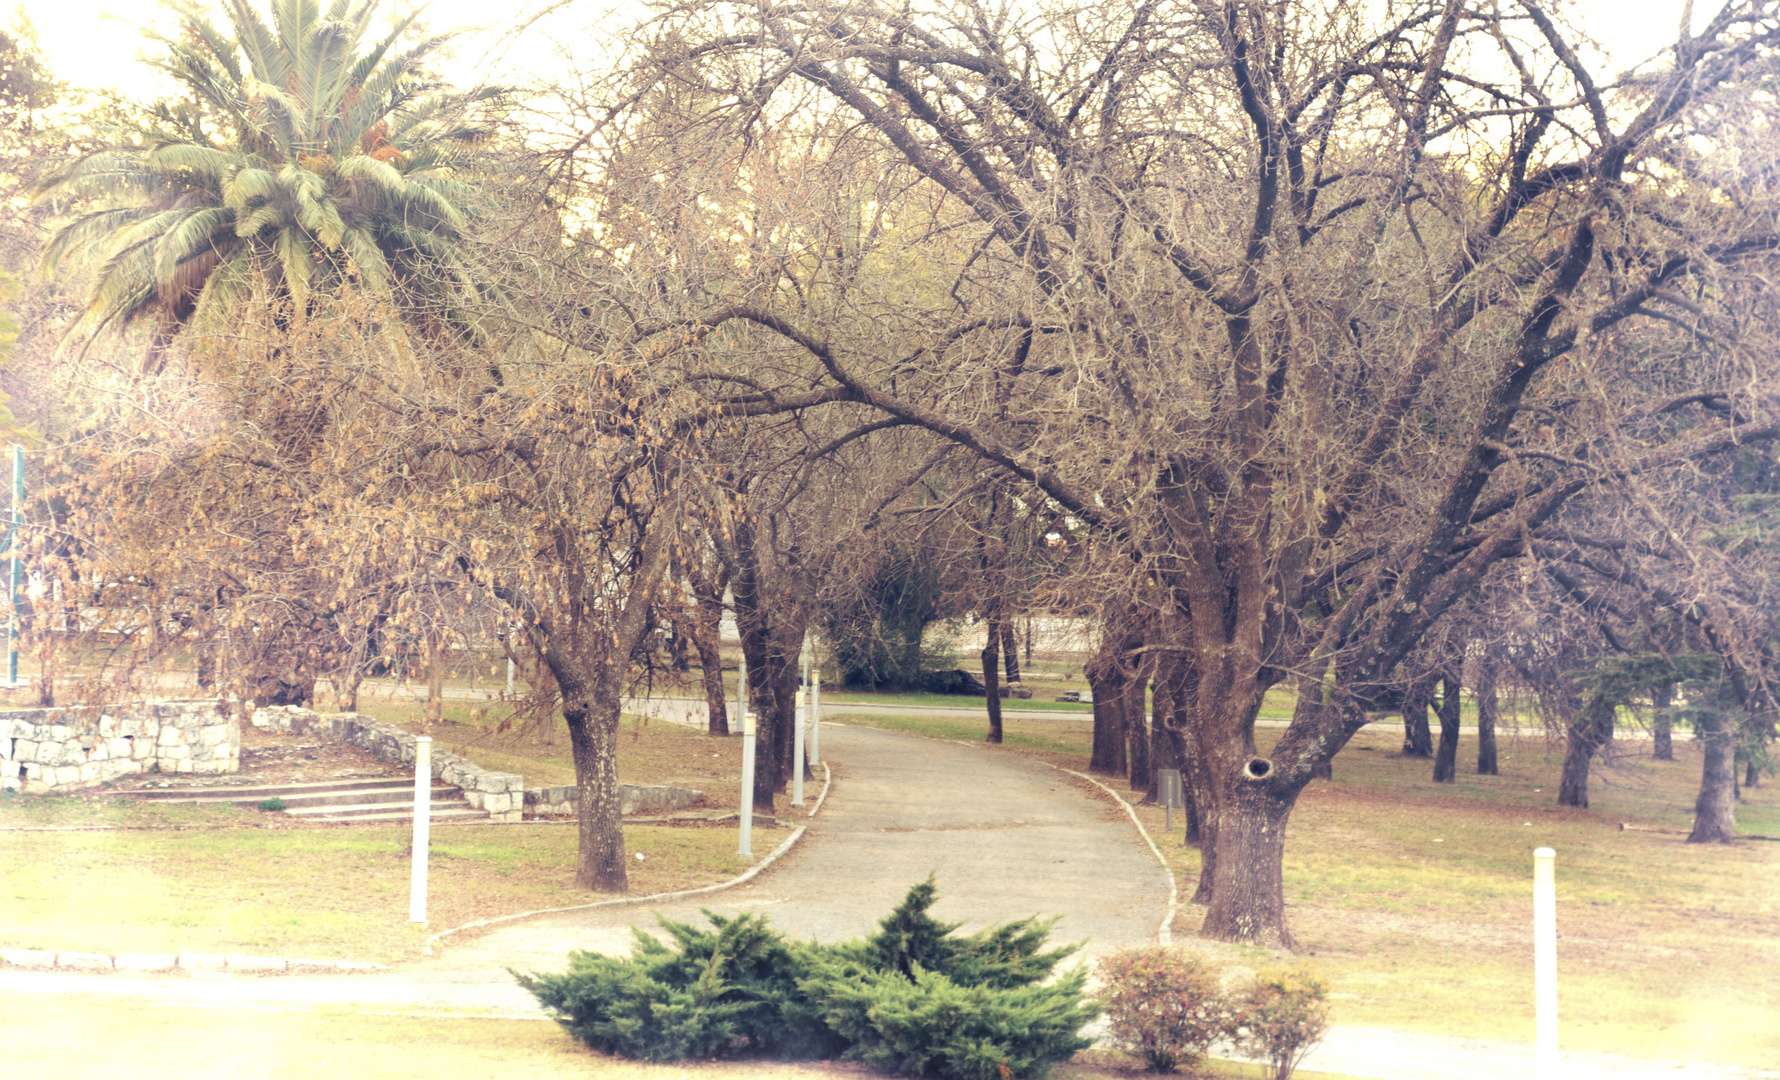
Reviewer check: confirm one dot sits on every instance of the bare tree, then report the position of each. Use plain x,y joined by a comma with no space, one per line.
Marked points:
1291,309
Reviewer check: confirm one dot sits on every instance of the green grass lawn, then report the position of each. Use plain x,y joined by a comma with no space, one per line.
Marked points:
1414,898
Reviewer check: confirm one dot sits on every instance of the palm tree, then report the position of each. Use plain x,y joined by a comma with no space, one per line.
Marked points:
303,159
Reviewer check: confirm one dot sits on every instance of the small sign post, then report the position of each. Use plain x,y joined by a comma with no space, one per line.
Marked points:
747,814
1168,783
423,792
1545,979
816,718
797,719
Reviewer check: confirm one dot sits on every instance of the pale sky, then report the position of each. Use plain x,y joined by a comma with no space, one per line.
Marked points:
94,43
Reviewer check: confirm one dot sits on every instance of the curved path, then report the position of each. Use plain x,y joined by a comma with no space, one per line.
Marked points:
1004,838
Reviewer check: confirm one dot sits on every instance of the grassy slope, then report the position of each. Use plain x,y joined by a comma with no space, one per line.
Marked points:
1414,898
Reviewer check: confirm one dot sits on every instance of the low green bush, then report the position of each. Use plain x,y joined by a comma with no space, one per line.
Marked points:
1163,1005
271,805
1281,1018
914,997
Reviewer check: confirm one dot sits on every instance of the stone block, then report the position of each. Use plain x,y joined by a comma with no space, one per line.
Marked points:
142,748
475,799
211,767
192,961
67,775
89,772
60,733
145,961
9,769
255,963
24,750
181,766
119,747
115,768
175,753
169,737
107,726
213,735
28,958
84,961
497,803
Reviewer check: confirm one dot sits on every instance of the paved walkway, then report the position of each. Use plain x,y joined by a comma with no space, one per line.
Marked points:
1004,837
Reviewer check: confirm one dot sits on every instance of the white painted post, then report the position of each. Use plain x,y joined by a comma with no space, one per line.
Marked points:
816,719
797,719
423,810
746,847
1545,978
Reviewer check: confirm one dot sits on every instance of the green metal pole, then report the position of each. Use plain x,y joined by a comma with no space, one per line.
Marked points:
12,542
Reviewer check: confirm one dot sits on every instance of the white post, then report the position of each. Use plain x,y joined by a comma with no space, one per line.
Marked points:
509,678
816,719
797,718
1545,978
747,815
423,792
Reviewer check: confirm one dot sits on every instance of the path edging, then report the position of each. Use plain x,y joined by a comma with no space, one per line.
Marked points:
654,898
1165,932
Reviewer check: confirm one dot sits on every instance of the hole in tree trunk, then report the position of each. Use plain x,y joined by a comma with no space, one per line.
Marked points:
1257,768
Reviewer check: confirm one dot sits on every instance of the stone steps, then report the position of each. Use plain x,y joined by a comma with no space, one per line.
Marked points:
341,800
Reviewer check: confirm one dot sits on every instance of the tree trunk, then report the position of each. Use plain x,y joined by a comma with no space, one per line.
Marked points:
1247,902
593,739
1010,650
1487,707
1107,683
1137,733
1310,701
706,630
1662,725
1418,740
1587,734
1176,688
1446,762
1752,774
435,677
1714,812
992,676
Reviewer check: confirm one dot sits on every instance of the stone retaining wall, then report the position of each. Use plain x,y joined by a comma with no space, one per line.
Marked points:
501,794
633,799
46,751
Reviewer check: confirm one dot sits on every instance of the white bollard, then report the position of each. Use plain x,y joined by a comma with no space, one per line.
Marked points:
1545,977
797,719
816,720
746,847
423,813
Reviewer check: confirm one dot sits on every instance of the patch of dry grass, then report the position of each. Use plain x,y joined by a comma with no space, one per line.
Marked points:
149,1040
336,892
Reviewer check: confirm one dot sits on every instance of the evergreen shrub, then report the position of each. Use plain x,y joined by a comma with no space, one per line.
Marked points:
1162,1005
914,997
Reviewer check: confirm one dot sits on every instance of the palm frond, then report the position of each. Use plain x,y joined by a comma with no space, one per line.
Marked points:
182,241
